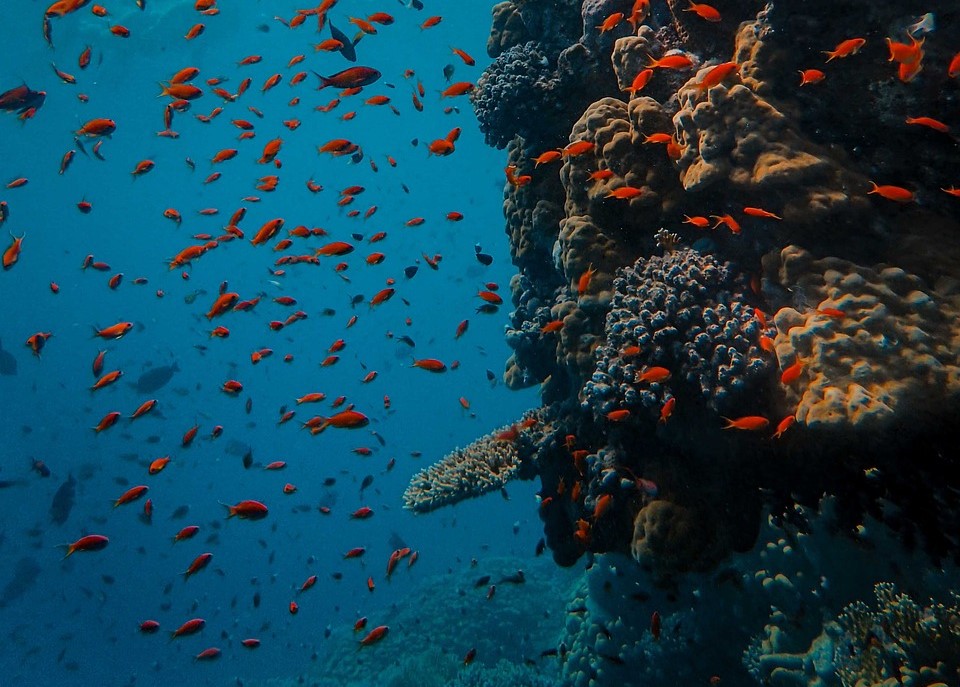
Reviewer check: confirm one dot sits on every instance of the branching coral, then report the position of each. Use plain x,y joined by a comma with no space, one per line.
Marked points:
899,640
485,465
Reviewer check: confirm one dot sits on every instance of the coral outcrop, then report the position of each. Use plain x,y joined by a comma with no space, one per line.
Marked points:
876,343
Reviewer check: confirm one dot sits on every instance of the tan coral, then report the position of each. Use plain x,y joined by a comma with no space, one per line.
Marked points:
733,138
507,29
891,359
670,538
485,465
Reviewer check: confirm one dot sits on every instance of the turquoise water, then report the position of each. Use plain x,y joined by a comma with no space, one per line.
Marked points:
75,621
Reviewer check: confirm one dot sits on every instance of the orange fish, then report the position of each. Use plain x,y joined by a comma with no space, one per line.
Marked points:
929,122
703,11
467,60
583,283
430,364
131,494
158,465
784,425
792,373
811,76
610,22
12,254
107,421
895,193
107,379
640,81
91,542
953,71
718,75
223,303
115,331
377,633
670,62
97,127
748,422
653,375
760,212
667,409
246,510
618,415
845,48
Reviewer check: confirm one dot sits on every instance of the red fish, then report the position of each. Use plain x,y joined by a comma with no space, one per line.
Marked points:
351,77
247,510
91,542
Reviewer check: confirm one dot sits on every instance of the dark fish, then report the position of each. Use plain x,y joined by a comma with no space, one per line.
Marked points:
407,340
157,378
21,99
516,578
541,545
7,483
357,237
613,659
8,364
448,70
249,405
482,582
256,599
356,299
484,259
380,439
329,481
408,272
337,575
327,312
490,376
180,512
367,481
347,48
248,459
24,576
63,501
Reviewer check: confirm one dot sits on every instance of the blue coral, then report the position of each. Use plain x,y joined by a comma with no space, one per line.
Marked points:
687,312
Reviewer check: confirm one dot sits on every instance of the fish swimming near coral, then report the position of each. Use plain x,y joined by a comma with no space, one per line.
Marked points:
8,364
156,378
63,501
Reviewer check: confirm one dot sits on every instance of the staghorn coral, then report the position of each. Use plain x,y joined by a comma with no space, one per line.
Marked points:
900,640
893,353
686,312
485,465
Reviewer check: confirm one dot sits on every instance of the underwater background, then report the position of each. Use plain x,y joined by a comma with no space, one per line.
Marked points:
600,342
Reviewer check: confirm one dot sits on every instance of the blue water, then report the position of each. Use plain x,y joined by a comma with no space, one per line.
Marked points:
75,622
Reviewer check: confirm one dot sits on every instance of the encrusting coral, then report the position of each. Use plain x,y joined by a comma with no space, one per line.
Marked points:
875,343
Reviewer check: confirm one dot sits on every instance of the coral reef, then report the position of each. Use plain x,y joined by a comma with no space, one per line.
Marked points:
429,639
826,371
875,342
899,640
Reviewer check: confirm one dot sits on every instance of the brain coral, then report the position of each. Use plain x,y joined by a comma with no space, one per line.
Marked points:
686,312
876,344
